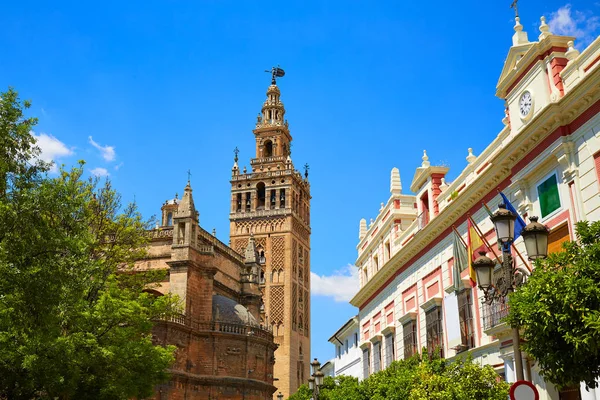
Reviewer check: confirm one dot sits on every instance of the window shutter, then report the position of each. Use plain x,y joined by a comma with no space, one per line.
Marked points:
549,197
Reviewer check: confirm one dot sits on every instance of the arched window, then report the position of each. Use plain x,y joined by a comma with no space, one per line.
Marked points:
170,219
268,148
260,196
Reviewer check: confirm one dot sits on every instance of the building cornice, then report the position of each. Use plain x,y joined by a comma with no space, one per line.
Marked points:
556,117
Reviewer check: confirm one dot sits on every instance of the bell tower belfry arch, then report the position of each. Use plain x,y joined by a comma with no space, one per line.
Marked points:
271,204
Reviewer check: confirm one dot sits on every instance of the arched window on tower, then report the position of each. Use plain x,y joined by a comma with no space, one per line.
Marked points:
268,148
260,196
170,219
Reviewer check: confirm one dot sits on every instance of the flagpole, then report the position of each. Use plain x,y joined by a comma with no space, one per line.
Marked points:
484,239
513,244
461,239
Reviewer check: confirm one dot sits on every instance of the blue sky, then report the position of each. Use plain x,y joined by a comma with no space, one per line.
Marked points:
144,91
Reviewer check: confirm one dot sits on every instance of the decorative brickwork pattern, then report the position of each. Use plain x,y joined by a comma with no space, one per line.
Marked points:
294,306
306,313
240,245
294,256
261,242
300,230
278,252
276,304
307,265
259,226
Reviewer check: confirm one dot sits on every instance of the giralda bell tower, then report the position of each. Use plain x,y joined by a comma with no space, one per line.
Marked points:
272,203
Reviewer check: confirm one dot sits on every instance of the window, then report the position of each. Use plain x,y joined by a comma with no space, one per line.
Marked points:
238,206
248,201
170,219
377,357
389,349
281,198
268,148
465,315
409,332
376,262
366,363
387,250
548,195
260,196
339,351
355,339
433,321
346,345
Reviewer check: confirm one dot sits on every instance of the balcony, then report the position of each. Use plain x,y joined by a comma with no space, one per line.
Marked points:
493,316
259,331
422,220
267,160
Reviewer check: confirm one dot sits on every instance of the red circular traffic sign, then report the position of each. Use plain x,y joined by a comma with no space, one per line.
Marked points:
523,390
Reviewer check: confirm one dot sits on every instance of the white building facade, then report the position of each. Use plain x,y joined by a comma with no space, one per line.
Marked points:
347,359
546,159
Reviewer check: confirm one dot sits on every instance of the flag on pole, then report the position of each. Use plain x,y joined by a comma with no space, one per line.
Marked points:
519,223
474,245
460,261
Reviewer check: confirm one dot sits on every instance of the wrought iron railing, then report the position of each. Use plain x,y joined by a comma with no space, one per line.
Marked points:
260,331
493,314
422,220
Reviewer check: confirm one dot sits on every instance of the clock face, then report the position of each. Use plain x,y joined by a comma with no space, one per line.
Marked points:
525,104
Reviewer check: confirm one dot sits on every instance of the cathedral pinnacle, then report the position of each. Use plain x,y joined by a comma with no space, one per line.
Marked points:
186,206
395,183
544,29
425,158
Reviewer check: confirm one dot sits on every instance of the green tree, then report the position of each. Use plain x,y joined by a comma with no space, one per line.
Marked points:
417,379
558,309
75,322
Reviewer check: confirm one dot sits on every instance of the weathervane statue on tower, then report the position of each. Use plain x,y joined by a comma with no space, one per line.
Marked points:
276,72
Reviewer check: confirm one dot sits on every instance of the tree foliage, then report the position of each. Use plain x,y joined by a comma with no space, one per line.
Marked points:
75,322
558,309
416,379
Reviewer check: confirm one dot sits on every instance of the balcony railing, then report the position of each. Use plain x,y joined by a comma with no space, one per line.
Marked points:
493,314
260,331
422,220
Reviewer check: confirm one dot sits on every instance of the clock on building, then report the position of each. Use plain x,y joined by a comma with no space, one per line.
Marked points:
525,104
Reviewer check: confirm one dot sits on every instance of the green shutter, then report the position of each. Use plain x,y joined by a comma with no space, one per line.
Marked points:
548,194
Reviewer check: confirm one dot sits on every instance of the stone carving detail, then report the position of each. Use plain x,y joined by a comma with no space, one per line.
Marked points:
276,304
278,252
240,245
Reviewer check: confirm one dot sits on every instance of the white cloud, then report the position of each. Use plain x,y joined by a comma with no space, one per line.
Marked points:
51,148
99,172
118,166
342,285
568,22
107,152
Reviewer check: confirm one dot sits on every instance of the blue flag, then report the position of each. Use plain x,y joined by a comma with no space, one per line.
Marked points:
519,223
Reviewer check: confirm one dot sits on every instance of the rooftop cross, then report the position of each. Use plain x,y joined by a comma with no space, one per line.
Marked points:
189,172
306,168
236,151
514,5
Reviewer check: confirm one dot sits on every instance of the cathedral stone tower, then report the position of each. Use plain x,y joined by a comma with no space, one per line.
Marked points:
271,205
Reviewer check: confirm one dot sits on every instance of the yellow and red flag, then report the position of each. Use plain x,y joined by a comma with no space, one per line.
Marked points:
475,245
